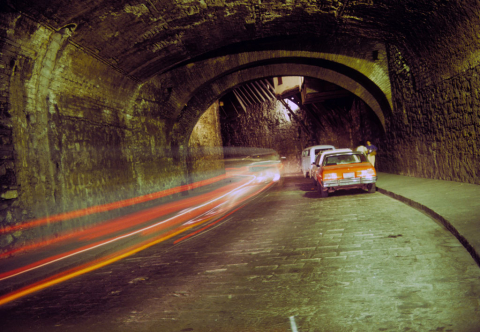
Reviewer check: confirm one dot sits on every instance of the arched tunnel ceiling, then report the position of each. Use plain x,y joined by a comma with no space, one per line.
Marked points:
210,92
143,38
366,78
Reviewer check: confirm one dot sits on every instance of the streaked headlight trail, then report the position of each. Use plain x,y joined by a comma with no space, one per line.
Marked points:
132,233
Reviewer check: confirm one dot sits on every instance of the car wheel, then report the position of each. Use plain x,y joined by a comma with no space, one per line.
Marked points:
323,193
372,188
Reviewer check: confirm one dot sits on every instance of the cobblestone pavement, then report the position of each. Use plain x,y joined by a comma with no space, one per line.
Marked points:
288,261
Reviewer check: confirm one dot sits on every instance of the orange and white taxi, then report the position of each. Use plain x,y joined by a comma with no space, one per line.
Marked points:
344,169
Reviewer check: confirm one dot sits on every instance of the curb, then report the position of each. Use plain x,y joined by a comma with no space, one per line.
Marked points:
471,250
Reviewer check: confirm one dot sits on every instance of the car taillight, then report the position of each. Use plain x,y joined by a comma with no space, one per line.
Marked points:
366,173
329,176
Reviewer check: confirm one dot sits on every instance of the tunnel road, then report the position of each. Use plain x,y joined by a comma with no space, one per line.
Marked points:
287,261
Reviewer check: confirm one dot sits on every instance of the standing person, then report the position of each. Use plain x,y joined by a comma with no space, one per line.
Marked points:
361,148
371,152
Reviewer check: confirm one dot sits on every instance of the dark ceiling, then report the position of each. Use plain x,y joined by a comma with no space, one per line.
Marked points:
143,38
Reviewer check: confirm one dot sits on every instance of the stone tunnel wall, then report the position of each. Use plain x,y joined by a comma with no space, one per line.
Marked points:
435,129
343,125
205,147
264,126
76,133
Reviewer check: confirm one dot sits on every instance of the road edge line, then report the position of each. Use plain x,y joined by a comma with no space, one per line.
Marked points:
448,225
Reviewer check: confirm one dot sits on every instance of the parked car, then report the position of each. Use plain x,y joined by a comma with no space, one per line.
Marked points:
344,169
308,157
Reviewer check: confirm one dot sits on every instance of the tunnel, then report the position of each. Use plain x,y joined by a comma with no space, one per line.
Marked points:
110,101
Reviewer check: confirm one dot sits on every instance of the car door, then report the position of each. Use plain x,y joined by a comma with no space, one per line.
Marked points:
315,168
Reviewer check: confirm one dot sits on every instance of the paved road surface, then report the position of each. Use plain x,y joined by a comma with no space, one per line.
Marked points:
351,262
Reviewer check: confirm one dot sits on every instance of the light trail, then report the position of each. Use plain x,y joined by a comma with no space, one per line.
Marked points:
74,273
217,221
121,223
211,207
110,206
60,257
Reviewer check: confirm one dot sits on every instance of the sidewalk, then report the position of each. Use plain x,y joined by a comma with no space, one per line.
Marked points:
454,204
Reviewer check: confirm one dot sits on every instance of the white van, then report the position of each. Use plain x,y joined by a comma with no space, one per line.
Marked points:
308,157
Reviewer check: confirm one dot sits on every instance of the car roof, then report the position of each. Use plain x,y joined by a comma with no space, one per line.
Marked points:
336,151
319,147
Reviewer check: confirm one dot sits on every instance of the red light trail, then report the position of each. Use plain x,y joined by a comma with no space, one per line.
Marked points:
136,231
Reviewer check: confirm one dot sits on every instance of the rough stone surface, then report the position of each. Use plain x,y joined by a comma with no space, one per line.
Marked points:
344,123
143,38
205,147
437,126
76,133
341,123
265,125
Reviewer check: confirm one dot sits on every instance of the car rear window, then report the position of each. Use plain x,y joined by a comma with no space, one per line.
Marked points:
341,159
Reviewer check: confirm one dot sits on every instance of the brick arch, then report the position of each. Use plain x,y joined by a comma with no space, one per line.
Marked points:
213,90
189,78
